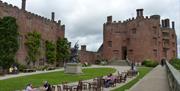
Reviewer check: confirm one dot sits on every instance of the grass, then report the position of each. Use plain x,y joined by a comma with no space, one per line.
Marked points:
53,78
142,72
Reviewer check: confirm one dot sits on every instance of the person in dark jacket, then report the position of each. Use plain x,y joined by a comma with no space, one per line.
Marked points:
47,86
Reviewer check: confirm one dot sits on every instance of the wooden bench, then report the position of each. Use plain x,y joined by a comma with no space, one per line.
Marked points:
29,70
51,68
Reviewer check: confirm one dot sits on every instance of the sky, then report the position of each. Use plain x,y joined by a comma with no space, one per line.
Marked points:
84,18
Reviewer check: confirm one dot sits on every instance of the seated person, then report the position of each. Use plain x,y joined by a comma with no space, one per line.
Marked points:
47,86
10,70
29,88
109,80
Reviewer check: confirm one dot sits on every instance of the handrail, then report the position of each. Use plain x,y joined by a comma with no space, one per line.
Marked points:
173,77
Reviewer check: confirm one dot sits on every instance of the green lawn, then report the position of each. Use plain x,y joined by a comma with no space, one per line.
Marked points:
142,72
53,77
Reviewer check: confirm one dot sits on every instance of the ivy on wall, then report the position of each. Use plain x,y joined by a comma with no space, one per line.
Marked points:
62,49
50,52
8,41
33,44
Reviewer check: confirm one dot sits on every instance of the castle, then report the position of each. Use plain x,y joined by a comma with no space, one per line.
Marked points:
139,38
135,39
28,22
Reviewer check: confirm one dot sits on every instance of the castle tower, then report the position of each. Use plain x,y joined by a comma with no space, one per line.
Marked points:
139,12
139,39
23,6
52,16
83,47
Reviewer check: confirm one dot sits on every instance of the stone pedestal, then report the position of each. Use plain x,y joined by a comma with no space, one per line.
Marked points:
73,68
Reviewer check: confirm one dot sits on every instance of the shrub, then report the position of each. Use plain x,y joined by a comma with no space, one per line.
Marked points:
97,62
101,62
175,62
86,64
21,67
149,63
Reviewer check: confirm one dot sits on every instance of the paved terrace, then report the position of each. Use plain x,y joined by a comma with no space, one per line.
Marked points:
156,80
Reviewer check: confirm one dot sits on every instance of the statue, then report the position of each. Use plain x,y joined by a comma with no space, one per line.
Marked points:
74,53
74,67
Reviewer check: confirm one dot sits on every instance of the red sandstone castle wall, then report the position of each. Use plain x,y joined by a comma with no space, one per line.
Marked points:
28,22
87,56
142,37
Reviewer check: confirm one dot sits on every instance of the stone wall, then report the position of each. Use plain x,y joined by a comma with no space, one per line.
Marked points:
28,22
87,56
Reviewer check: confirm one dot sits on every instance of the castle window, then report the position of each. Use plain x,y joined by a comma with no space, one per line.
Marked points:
165,34
166,42
116,51
155,41
110,43
130,51
154,27
134,30
155,52
173,36
173,44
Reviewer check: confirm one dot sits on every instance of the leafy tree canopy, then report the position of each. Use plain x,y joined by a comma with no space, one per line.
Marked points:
62,49
33,44
8,41
50,52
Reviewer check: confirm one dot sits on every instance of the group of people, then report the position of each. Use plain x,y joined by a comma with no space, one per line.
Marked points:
46,87
13,70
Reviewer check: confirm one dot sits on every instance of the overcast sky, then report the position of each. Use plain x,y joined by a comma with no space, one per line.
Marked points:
84,18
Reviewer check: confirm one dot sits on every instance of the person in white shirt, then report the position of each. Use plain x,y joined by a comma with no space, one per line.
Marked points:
29,88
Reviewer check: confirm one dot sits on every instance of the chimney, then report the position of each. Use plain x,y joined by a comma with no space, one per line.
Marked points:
83,47
52,16
163,23
139,12
166,23
59,22
173,25
23,6
109,19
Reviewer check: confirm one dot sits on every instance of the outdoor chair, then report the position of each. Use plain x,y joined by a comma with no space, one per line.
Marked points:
59,88
53,87
81,86
96,85
66,87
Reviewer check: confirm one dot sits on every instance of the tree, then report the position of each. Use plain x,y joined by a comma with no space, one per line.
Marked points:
175,62
50,52
8,41
33,45
62,49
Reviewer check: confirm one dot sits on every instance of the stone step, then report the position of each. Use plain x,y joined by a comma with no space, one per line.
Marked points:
119,63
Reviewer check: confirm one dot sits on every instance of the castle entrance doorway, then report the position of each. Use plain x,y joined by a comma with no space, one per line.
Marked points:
124,53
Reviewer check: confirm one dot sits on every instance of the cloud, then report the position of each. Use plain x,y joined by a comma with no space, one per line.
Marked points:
84,18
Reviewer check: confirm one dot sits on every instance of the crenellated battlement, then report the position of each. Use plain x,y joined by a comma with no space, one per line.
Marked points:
165,23
30,14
